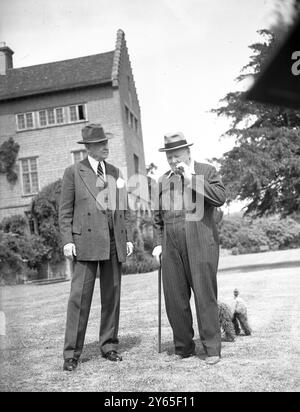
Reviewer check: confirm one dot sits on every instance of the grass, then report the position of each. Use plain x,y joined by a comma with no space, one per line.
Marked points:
31,351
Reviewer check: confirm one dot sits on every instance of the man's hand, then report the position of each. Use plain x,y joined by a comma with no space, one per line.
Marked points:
157,252
70,250
129,246
185,170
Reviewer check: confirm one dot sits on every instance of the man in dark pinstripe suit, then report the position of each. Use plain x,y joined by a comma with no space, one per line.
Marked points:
186,235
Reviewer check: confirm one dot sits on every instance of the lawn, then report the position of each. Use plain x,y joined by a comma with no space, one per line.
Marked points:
269,360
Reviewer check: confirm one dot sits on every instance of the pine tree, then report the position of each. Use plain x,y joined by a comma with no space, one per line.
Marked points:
263,168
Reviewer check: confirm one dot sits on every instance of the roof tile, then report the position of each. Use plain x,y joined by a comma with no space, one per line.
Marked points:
57,76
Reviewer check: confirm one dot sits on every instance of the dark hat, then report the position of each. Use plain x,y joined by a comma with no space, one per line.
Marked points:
174,141
94,133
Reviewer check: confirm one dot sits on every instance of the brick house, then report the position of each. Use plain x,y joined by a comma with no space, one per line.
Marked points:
44,108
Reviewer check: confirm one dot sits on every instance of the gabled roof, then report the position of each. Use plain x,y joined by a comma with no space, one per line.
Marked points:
57,76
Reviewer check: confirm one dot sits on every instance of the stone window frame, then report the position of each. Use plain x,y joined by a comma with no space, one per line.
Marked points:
51,117
132,120
83,155
25,120
30,173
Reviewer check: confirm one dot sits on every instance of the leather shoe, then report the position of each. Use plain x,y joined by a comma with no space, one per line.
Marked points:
187,355
70,365
212,360
113,356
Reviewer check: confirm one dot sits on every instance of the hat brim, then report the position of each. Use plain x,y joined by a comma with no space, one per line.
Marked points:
96,141
163,149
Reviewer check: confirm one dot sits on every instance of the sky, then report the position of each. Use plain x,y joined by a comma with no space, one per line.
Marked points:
185,55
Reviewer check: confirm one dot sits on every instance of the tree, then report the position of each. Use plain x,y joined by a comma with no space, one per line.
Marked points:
151,168
8,154
264,166
45,207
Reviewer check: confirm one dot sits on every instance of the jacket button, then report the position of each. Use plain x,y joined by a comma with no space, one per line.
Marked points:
89,230
89,214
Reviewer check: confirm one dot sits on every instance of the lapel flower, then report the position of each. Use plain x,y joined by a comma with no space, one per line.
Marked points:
120,183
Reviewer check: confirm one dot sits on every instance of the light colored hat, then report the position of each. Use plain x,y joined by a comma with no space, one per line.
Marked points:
174,141
94,133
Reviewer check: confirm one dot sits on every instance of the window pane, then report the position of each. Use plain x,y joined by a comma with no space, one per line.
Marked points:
73,113
79,155
51,118
127,115
25,167
21,121
35,183
81,114
43,119
33,165
59,115
76,157
136,124
136,163
131,120
26,184
29,120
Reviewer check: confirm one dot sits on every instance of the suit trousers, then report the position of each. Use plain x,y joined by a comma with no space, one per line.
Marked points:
184,272
82,288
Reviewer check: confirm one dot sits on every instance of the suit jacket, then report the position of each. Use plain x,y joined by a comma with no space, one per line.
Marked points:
201,234
83,222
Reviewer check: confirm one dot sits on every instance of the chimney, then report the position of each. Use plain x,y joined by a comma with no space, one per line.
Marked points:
6,60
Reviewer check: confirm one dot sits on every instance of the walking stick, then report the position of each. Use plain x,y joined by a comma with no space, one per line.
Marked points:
159,306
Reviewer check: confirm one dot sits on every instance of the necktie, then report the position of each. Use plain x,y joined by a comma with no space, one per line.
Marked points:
100,172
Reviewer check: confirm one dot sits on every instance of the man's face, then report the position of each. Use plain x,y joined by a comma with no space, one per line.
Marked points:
177,156
99,151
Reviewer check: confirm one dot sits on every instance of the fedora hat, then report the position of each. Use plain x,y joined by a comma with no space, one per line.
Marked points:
174,141
94,133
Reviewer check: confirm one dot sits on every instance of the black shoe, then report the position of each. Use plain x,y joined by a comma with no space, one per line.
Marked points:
113,356
70,365
186,355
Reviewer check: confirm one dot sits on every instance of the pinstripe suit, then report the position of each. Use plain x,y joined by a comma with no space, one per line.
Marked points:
190,255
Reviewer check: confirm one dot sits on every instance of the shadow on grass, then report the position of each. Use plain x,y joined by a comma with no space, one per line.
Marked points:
127,342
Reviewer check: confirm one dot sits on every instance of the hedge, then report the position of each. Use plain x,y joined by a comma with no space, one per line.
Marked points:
248,235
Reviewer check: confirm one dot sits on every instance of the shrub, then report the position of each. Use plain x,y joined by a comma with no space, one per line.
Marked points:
144,265
45,208
281,233
14,224
250,239
148,243
141,261
8,154
11,264
247,235
20,256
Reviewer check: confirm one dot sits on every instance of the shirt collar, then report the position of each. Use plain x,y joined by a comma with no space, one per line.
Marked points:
94,164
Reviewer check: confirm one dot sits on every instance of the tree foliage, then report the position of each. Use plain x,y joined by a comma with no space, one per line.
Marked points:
45,207
8,154
264,166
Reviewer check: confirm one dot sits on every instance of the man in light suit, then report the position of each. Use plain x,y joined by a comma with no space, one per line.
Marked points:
94,233
186,236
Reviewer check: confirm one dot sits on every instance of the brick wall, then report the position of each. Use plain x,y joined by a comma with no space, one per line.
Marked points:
128,97
53,145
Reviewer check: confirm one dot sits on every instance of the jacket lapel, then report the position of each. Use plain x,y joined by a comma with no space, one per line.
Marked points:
111,170
88,177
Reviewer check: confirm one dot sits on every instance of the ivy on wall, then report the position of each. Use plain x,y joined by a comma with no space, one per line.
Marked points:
8,155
